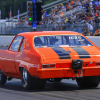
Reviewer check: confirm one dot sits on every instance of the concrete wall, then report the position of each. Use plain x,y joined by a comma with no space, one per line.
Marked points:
2,27
6,40
95,40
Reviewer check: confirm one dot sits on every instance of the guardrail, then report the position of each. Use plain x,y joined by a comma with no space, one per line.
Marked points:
72,25
53,3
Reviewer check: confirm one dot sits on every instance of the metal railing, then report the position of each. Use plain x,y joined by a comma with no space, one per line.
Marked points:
12,28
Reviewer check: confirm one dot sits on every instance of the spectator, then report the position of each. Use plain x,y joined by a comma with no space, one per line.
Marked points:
88,34
78,2
61,13
99,15
45,13
19,23
97,20
83,33
62,6
45,20
51,18
55,6
91,34
98,7
91,19
66,20
55,26
96,3
90,27
88,9
25,22
83,16
98,33
58,7
90,4
50,21
86,30
67,8
80,6
62,26
72,3
91,13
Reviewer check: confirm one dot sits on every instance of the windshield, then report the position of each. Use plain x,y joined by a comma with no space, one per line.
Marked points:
60,41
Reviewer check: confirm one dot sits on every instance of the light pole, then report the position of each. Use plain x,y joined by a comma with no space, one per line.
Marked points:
34,23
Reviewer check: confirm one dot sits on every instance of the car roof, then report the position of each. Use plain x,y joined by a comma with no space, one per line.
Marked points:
32,34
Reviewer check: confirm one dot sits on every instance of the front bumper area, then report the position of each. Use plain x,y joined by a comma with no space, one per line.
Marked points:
67,72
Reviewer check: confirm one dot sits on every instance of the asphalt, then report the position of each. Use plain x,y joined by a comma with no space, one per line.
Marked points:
66,89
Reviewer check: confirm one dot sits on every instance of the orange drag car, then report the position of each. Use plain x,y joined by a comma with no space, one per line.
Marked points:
37,57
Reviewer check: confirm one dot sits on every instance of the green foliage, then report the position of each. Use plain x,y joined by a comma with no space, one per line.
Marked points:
14,5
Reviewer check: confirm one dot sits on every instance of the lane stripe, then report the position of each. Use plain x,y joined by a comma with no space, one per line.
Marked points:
81,52
63,54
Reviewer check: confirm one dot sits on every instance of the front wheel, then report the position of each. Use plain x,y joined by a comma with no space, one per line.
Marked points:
3,78
92,81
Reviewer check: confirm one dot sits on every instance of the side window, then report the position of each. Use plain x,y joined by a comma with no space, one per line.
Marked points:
22,46
16,43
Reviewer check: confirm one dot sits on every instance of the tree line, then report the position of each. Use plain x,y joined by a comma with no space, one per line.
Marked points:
14,6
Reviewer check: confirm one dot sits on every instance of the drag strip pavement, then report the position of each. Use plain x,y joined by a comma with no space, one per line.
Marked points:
66,89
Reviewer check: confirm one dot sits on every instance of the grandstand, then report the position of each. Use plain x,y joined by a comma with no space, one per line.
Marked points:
71,15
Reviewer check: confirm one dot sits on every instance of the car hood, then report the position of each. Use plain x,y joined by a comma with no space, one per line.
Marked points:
63,53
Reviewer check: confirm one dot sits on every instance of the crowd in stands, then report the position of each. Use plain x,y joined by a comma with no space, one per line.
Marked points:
71,13
89,14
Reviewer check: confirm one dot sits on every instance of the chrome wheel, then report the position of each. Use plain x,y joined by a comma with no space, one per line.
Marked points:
24,75
30,82
0,75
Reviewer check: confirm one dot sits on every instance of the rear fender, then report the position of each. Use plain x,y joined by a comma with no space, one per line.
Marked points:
32,69
23,66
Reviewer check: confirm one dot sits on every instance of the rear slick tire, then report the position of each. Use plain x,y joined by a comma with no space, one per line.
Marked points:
30,82
3,78
92,81
26,79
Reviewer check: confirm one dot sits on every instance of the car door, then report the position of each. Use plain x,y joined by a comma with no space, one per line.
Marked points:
9,55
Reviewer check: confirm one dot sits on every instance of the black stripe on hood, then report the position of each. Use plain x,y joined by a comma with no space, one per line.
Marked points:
63,54
81,52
